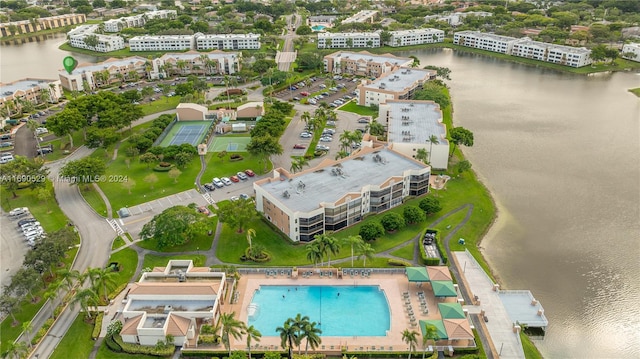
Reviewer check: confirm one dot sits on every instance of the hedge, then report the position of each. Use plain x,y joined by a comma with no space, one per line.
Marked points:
162,169
440,246
112,345
143,349
97,328
114,293
398,263
432,262
42,332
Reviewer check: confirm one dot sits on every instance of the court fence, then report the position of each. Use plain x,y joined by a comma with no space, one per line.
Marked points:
164,133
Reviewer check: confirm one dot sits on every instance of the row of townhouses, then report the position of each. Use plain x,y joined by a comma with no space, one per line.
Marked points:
525,47
116,25
116,70
341,40
631,52
82,37
36,91
196,41
44,23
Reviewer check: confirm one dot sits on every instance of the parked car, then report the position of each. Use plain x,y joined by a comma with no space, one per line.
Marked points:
306,135
313,102
226,181
5,158
41,131
6,144
18,211
296,98
234,179
44,150
209,187
218,183
234,198
244,196
326,139
322,148
5,136
249,173
29,224
26,220
304,93
204,210
299,146
242,176
330,131
363,120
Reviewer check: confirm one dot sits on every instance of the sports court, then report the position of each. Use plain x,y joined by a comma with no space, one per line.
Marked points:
229,144
192,132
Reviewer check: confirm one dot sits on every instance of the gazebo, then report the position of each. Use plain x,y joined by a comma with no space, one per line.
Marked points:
451,311
439,273
438,324
417,274
443,288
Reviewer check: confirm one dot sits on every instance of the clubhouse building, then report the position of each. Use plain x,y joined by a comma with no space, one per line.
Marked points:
339,193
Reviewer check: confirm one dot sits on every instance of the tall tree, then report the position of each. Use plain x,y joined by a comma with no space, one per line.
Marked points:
237,214
314,252
9,305
411,338
298,163
365,250
312,335
101,280
86,170
430,332
330,245
433,140
353,242
27,328
288,336
263,147
174,226
422,155
231,327
68,277
299,322
460,136
87,299
15,350
65,122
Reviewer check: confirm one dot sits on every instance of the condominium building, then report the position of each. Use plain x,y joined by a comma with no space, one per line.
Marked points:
400,84
485,41
361,16
339,193
116,25
228,41
456,19
44,23
557,54
411,125
197,63
342,40
363,63
103,73
29,90
631,52
162,43
97,42
415,37
174,300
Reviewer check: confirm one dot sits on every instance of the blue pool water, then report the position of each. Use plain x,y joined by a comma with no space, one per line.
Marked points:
318,27
356,311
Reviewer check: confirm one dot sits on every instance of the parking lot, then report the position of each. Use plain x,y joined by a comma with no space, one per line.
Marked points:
12,248
320,87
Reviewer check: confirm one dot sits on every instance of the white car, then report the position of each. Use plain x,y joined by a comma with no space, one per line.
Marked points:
27,229
35,232
31,224
306,135
322,148
18,211
226,181
41,131
218,183
6,158
326,139
243,176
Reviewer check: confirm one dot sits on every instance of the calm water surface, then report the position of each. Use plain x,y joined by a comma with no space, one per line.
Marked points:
561,154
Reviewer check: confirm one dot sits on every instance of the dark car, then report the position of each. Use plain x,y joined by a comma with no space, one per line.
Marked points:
299,146
209,187
363,120
22,222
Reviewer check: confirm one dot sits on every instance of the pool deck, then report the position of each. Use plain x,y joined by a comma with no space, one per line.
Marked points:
393,285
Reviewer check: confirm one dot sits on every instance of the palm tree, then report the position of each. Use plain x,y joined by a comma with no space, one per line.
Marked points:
433,140
353,241
430,332
27,327
52,293
86,298
345,140
410,337
298,163
251,233
299,322
314,253
330,245
231,326
101,278
306,117
422,155
32,126
181,65
288,336
365,251
252,334
312,334
341,154
68,277
15,350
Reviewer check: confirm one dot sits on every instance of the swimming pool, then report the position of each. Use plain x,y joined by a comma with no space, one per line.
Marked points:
318,27
338,310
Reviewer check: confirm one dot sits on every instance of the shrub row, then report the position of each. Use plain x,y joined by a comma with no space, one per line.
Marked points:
143,349
208,339
117,290
144,141
162,168
440,246
97,328
112,344
398,263
42,332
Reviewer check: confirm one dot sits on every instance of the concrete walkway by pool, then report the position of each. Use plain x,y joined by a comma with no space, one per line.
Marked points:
500,327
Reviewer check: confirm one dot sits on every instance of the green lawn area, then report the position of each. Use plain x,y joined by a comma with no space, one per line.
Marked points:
48,214
62,147
117,243
217,167
635,91
530,350
94,199
127,259
202,242
405,252
352,106
77,340
105,353
25,314
162,104
152,260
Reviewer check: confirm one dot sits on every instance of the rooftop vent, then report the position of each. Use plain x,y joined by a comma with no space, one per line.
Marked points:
286,194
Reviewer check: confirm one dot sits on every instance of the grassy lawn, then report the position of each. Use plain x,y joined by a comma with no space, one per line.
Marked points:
105,353
127,258
530,350
405,252
201,243
25,314
162,104
77,340
217,167
117,243
352,106
635,91
48,214
94,199
152,260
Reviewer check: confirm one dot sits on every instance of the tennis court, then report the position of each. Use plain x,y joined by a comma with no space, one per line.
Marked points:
191,132
229,144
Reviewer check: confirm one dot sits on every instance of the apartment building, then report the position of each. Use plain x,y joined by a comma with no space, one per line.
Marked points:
174,300
363,63
485,41
631,52
410,126
342,40
116,25
557,54
339,193
197,63
103,43
399,84
162,43
415,37
103,73
456,19
31,90
45,23
361,16
228,41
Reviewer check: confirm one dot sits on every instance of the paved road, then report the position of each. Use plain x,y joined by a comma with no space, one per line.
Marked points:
12,249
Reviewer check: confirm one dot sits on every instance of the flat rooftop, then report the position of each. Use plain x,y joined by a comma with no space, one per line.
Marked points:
519,307
9,89
400,79
561,48
194,55
485,35
105,65
339,35
159,306
415,122
307,189
368,57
